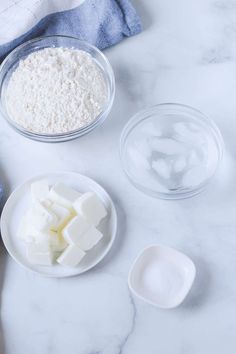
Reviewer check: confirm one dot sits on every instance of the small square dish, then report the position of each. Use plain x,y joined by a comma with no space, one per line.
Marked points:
162,276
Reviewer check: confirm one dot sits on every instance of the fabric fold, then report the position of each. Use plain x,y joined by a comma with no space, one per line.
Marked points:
102,23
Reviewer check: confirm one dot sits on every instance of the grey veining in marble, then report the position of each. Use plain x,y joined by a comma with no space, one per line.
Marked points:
185,54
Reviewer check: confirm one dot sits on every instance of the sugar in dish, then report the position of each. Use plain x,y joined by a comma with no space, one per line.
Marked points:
162,276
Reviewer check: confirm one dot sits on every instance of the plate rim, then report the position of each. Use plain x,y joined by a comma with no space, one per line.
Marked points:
43,175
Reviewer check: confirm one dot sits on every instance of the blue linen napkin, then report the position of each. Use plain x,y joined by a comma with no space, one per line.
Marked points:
103,23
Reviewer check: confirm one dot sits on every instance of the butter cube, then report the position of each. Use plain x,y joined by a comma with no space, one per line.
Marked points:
40,247
59,244
72,256
41,217
39,190
63,216
75,229
39,254
26,231
47,203
51,240
63,195
90,207
89,239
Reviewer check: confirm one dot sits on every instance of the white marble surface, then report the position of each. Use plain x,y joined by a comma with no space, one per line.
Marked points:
185,54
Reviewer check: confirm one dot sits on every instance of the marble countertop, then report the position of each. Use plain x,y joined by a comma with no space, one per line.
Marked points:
185,54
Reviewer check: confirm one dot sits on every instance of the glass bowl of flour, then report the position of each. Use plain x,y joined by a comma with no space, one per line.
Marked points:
56,88
170,151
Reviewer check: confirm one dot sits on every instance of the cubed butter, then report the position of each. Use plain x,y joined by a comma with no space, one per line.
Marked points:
72,256
63,195
47,203
63,216
90,207
40,247
89,239
26,231
41,217
59,244
37,254
75,229
39,190
60,221
51,239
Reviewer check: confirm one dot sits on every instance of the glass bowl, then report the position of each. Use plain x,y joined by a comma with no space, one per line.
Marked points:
170,151
21,52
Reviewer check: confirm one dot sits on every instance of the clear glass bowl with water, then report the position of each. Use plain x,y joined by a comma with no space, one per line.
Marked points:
170,151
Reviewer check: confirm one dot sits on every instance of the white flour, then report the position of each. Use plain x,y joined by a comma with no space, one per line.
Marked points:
56,90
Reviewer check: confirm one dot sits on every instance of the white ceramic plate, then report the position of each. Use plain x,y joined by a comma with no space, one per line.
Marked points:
18,203
162,276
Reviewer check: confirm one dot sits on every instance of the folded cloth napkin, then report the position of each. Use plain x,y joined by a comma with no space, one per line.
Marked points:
100,22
